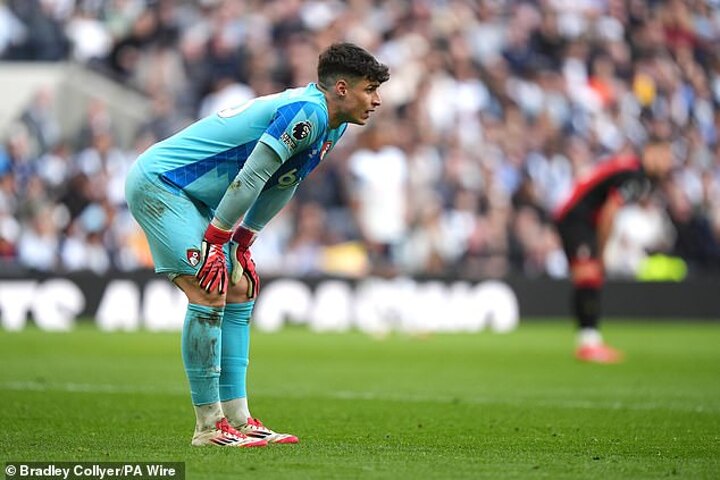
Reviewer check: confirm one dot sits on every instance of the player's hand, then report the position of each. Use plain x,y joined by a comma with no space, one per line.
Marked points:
243,263
213,274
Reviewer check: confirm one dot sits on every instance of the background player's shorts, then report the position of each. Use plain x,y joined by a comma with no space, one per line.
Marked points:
579,238
173,223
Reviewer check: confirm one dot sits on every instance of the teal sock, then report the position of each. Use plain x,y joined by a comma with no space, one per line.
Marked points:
201,343
235,350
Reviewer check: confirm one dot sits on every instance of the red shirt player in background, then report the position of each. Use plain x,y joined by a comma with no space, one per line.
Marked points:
584,222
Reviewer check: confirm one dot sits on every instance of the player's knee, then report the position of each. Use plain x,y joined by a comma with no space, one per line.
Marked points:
587,273
212,299
238,292
198,295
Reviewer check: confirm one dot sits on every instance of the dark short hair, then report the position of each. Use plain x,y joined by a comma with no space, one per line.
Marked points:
341,59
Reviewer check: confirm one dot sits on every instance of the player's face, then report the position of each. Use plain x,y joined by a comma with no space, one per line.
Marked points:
361,100
658,160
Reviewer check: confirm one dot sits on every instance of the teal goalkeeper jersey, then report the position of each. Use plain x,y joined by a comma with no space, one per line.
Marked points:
204,158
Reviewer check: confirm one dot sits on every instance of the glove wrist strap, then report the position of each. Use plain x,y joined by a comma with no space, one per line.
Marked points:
244,237
216,235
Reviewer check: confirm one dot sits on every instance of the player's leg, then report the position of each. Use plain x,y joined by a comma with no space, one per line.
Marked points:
587,276
174,226
235,359
201,352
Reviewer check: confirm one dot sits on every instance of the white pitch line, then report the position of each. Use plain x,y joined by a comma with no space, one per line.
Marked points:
526,401
369,396
88,388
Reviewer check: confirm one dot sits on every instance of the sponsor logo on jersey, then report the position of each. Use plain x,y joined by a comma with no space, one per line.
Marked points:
301,130
287,140
193,256
325,149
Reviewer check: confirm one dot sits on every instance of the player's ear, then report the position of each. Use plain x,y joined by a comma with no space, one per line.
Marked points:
341,87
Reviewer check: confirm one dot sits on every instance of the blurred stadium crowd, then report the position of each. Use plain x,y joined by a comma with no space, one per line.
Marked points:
494,106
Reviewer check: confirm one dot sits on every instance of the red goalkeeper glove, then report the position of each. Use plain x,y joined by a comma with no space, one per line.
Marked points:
213,273
242,261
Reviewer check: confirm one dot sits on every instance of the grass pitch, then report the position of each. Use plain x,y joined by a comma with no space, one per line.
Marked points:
446,406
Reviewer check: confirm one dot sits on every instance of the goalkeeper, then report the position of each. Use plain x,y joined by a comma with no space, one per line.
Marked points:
203,195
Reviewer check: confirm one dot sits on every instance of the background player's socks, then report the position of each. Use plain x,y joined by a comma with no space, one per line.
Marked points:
591,348
201,341
589,337
235,360
586,306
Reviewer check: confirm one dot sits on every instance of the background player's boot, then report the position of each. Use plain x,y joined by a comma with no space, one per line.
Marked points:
599,353
254,428
224,435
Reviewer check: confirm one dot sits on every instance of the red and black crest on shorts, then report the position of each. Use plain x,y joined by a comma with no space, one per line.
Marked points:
193,256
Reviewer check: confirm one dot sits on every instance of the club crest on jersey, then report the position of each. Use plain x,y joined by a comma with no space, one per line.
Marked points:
301,130
193,256
325,149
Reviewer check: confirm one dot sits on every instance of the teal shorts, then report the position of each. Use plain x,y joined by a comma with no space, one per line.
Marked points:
173,223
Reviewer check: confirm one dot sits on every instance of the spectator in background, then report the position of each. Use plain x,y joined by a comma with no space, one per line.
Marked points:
55,168
696,241
39,118
305,248
41,36
379,194
39,243
9,233
639,231
10,228
12,30
486,94
426,250
89,38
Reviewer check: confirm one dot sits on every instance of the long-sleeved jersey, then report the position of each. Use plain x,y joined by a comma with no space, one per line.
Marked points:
621,175
204,158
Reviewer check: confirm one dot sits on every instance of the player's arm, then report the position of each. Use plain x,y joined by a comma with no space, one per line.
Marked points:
262,163
294,128
268,204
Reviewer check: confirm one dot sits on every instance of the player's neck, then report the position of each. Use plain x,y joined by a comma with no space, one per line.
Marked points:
334,121
335,115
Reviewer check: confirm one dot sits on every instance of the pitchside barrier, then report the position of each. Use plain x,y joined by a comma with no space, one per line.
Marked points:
143,300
